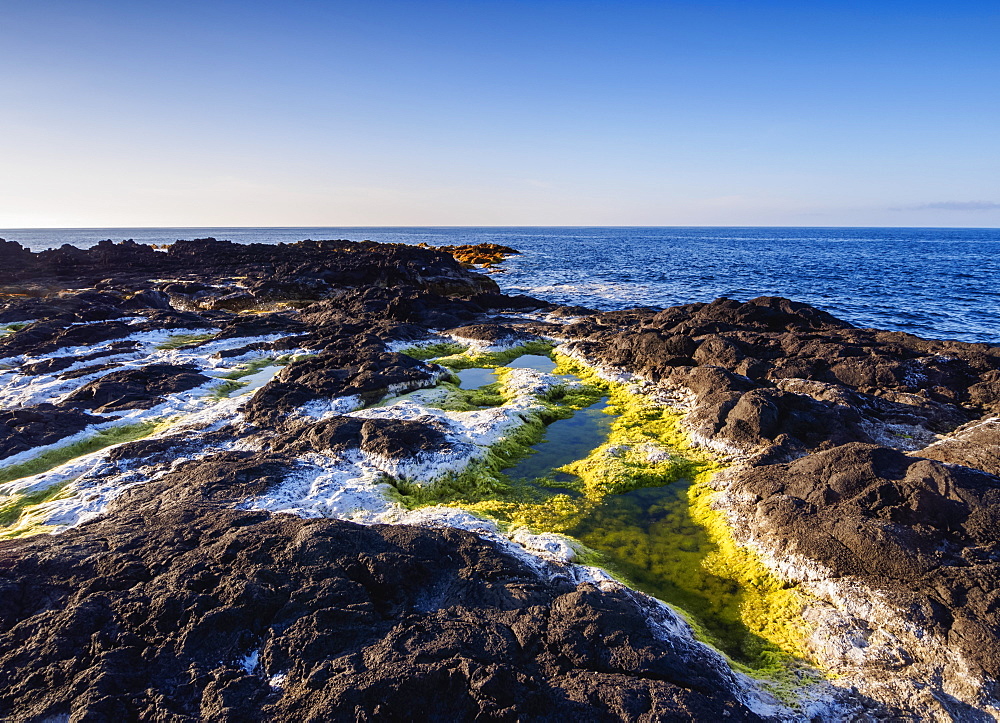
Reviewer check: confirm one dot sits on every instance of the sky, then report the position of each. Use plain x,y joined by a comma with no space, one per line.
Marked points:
506,113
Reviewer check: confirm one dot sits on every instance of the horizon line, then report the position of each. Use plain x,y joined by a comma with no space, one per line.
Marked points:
644,226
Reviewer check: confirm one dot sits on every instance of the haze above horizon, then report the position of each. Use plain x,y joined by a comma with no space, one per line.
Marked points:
556,113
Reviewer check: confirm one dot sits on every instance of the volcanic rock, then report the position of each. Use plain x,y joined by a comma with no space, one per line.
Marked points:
135,388
217,614
29,427
866,473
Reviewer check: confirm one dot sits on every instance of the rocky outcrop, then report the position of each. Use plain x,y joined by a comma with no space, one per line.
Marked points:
866,471
135,388
485,255
782,378
221,274
206,613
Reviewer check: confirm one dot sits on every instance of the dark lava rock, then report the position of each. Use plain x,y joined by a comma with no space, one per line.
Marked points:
493,334
901,523
85,306
977,447
217,614
369,374
513,302
304,270
251,325
29,427
140,388
400,305
837,383
387,438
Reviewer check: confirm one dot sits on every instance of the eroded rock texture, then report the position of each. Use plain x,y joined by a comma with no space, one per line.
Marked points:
867,472
782,377
213,614
864,470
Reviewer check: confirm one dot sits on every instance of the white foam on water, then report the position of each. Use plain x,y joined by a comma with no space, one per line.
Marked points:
250,662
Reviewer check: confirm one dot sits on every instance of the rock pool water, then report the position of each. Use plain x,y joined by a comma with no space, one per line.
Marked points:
475,378
613,471
533,361
565,441
649,536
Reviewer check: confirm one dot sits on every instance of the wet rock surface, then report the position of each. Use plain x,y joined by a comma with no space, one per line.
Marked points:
865,469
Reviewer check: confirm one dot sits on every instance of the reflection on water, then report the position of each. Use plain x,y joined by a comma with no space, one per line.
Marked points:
476,378
565,441
533,361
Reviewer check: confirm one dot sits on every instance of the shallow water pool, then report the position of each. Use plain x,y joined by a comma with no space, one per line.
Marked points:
476,378
565,441
648,535
533,361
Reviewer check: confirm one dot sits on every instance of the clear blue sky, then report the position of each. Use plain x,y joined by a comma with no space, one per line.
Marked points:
499,113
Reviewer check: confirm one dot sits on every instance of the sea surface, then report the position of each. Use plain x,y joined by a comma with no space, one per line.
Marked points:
933,282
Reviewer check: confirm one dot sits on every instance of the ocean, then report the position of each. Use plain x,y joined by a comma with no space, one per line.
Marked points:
933,282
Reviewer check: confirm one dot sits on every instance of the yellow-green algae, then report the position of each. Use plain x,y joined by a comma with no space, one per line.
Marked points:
56,456
487,360
457,356
285,359
6,329
251,367
641,502
466,400
181,341
432,351
232,378
20,514
224,389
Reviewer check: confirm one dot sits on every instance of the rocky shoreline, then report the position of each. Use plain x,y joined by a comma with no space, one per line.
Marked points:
268,497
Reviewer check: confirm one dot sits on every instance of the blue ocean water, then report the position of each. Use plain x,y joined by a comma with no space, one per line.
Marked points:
933,282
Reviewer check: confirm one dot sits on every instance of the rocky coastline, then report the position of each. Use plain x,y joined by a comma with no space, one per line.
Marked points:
244,482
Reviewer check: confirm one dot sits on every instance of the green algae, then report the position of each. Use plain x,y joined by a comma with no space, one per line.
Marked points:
251,367
6,329
467,400
482,487
225,389
183,341
770,608
666,542
564,441
52,458
23,514
12,507
285,359
468,358
432,351
232,378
